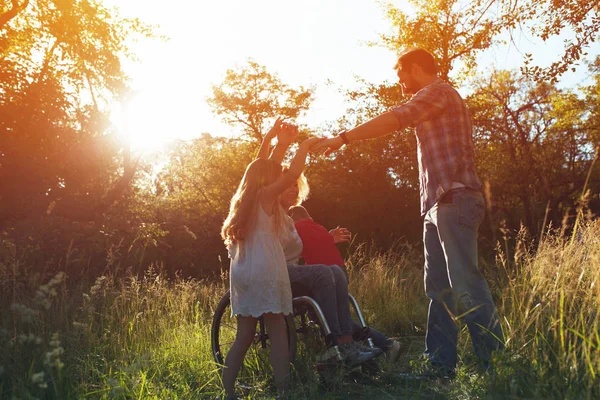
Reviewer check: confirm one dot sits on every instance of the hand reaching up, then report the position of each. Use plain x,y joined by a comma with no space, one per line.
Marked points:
287,134
275,129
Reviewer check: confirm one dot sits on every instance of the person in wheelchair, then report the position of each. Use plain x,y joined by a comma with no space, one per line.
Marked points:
327,285
319,247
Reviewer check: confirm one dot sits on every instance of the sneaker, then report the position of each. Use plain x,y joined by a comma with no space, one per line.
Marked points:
393,351
353,356
330,356
368,349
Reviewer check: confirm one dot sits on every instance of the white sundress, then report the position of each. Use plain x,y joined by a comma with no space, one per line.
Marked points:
259,281
290,241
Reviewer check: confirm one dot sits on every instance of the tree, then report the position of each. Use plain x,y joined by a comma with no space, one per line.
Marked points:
9,11
592,103
522,128
531,147
60,65
548,18
250,95
455,30
186,204
450,29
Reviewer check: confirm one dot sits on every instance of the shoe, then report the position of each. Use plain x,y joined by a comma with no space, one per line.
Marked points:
393,351
353,356
375,350
330,356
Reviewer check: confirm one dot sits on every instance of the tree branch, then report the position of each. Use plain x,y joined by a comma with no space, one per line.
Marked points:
12,12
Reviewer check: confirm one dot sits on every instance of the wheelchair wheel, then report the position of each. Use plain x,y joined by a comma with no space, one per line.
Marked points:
310,338
223,331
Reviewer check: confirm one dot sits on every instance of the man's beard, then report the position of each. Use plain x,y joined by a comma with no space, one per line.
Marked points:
409,88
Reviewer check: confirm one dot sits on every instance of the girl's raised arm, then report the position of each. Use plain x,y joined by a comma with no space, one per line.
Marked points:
270,193
263,151
285,138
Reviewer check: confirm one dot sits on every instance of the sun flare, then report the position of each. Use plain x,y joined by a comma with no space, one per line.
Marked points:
150,119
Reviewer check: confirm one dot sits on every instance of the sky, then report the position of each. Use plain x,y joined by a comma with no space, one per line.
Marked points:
319,43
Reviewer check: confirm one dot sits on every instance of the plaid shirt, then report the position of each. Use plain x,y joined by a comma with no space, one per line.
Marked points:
444,140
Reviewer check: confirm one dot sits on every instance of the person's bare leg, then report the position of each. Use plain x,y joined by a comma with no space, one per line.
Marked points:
246,328
280,358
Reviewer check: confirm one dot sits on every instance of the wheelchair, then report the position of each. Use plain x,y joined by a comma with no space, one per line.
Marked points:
307,330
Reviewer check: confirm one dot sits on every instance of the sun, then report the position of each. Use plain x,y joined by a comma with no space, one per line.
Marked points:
152,118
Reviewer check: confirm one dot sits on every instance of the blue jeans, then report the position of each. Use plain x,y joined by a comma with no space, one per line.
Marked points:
452,277
379,339
328,286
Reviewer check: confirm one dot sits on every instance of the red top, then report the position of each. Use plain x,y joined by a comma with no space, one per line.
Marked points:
318,246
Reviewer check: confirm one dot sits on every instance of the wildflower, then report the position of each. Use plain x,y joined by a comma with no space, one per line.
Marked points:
26,314
52,357
37,378
99,285
79,326
54,340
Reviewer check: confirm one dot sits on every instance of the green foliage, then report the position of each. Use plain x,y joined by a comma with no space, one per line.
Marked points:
60,67
452,30
250,95
397,273
524,128
147,336
364,182
552,305
361,191
111,339
184,203
548,18
456,31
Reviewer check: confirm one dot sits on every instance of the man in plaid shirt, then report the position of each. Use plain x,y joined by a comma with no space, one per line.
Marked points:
452,205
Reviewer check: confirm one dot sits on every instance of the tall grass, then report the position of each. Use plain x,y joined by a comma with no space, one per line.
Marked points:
142,338
148,337
389,287
550,305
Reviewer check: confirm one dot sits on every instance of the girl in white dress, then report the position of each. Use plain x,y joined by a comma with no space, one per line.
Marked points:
259,281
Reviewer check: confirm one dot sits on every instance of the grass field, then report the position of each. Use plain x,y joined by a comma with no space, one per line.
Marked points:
149,337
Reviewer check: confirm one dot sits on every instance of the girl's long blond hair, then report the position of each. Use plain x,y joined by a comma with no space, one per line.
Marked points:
242,210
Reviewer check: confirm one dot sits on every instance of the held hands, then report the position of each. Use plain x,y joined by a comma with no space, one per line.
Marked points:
310,144
287,133
340,235
329,145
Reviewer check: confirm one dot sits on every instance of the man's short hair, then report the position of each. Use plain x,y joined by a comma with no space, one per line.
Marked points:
298,213
418,56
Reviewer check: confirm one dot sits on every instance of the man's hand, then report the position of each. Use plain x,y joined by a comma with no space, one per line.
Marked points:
311,143
340,235
329,145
